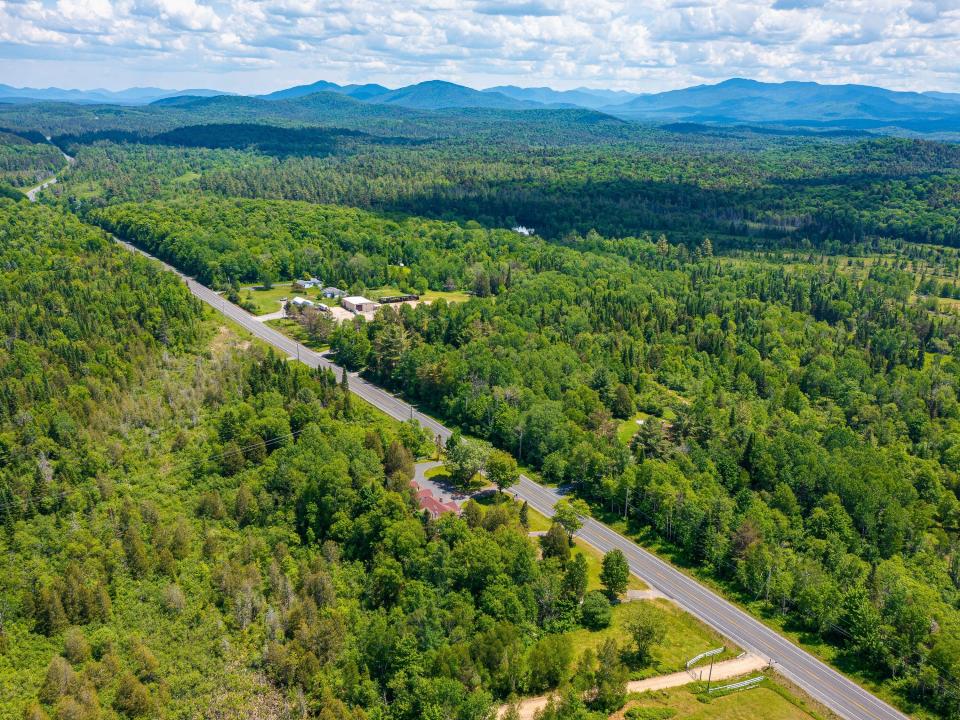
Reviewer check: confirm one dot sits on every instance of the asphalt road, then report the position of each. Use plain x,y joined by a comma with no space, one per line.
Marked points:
837,692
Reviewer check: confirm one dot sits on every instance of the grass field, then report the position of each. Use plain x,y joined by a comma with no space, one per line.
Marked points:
268,301
595,562
429,295
766,702
685,637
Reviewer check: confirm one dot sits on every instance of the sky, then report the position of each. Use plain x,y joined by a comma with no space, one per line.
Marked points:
252,46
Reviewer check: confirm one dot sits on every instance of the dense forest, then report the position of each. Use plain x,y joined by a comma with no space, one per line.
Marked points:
741,188
799,429
195,529
24,163
738,345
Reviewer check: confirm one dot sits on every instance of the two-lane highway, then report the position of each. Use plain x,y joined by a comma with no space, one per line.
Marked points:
835,691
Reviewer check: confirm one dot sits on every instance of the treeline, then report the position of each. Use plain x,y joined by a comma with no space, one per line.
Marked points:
242,241
786,190
798,430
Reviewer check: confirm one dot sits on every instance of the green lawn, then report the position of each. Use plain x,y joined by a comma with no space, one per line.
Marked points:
766,702
292,329
685,637
628,428
429,295
595,562
269,301
538,521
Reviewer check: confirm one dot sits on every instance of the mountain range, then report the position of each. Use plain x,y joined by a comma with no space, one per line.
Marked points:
734,101
130,96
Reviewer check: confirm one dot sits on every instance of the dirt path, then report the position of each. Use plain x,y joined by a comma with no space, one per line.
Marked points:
721,671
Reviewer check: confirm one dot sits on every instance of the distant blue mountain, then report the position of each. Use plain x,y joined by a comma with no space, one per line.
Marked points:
581,97
439,95
732,102
130,96
739,101
360,92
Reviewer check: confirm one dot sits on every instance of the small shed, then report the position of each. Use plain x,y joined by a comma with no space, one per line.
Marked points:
358,304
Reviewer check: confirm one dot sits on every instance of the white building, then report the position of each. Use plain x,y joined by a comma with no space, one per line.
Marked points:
302,302
358,304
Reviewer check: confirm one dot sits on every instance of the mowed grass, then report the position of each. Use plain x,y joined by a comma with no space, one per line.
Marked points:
628,428
269,301
685,637
429,295
595,565
766,702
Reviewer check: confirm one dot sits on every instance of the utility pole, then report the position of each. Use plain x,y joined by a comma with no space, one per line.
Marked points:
710,675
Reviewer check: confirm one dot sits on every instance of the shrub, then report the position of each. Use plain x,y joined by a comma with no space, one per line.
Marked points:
595,613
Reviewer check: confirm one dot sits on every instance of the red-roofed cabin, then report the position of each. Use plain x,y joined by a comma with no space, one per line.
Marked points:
432,505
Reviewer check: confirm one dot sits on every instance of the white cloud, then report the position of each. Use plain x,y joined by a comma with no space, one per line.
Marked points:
252,45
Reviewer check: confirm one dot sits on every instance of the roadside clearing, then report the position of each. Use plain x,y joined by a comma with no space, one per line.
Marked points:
746,663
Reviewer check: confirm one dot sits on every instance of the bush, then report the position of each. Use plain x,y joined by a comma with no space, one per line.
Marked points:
33,711
595,613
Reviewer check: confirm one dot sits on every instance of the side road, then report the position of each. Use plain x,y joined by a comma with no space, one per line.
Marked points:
721,671
834,690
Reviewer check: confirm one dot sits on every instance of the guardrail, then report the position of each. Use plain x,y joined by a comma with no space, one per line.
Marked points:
701,656
742,685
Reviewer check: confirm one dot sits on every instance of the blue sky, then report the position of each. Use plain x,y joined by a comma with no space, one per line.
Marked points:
639,45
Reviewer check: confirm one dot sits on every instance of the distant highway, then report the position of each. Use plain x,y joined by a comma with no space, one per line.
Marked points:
823,683
32,192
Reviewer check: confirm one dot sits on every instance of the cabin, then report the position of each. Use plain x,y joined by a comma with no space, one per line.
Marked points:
358,304
426,501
